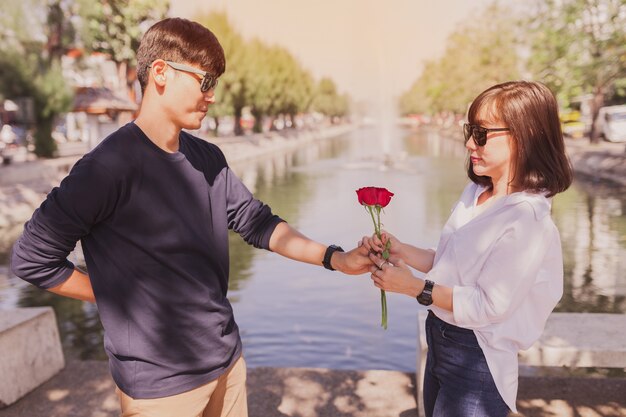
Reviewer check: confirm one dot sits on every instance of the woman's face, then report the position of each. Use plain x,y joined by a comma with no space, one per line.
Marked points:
494,158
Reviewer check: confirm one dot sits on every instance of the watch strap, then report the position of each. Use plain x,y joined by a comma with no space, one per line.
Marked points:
426,296
328,254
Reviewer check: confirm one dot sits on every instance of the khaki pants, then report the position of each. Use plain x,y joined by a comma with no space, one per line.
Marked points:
223,397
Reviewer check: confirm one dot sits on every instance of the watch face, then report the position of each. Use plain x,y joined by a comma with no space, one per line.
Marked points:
425,299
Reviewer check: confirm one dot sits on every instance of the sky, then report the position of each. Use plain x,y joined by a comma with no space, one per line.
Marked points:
372,49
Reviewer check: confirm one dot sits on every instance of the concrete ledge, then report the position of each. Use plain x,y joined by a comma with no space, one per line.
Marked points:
575,340
31,351
580,340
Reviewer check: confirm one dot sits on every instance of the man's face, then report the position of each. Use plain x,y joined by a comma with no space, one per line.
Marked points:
182,85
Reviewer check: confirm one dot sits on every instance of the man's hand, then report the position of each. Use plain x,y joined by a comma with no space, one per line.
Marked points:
354,262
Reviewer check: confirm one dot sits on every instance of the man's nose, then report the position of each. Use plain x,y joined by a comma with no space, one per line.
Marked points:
209,96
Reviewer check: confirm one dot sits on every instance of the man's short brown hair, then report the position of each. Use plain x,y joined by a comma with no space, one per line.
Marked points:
179,40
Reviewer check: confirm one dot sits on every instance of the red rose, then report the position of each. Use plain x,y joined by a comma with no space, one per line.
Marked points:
367,196
374,199
374,196
383,196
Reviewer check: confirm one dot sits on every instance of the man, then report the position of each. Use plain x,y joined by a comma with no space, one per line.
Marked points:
152,206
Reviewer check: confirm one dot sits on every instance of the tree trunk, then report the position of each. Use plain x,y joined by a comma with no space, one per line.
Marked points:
596,104
258,121
273,127
216,119
238,130
123,89
45,146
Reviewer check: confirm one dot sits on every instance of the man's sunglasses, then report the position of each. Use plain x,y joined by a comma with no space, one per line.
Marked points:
479,133
208,82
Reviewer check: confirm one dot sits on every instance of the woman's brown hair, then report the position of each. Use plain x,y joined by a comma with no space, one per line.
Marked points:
530,111
179,40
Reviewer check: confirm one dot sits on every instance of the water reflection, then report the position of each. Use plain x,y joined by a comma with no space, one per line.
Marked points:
278,181
592,221
300,315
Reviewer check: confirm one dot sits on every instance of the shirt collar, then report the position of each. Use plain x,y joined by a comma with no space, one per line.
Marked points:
541,204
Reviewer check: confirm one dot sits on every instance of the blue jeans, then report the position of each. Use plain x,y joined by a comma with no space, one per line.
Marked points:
457,382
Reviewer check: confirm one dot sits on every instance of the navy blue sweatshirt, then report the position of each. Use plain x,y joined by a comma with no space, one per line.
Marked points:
154,230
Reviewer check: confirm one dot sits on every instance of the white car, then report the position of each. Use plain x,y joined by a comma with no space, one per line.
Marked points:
612,123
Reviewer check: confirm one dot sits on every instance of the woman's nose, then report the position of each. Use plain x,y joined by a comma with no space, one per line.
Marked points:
470,144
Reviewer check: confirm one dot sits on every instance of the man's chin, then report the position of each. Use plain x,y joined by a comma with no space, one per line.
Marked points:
193,125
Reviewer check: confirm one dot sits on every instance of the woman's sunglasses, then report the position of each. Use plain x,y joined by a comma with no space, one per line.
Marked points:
479,133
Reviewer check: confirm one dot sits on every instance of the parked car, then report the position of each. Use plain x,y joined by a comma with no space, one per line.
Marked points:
612,123
13,139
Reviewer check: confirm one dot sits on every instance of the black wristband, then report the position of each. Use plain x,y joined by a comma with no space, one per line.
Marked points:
328,254
426,296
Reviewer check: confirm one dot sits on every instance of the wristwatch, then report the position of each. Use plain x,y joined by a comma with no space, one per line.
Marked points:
426,296
329,253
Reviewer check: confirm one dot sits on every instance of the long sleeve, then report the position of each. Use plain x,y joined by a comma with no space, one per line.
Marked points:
248,216
68,213
510,270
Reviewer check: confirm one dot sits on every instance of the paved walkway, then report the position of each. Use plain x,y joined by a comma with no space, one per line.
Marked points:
85,389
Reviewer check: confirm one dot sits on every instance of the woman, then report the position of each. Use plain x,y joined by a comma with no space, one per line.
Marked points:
497,272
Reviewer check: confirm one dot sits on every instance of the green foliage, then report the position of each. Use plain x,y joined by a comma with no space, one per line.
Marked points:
115,27
328,101
51,92
16,23
278,84
232,89
579,47
31,68
267,79
477,55
59,29
27,76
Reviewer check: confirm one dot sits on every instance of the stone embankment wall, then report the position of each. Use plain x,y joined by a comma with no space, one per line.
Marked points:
599,162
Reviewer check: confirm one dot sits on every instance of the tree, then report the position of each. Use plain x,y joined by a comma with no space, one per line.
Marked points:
278,84
259,75
328,101
233,85
60,31
579,47
31,67
115,28
477,55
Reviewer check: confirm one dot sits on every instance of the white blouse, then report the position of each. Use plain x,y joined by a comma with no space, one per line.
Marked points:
505,266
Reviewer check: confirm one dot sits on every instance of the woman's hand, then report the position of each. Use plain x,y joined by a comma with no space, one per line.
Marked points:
376,245
395,276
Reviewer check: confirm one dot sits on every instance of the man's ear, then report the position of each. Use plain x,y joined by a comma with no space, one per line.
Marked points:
158,69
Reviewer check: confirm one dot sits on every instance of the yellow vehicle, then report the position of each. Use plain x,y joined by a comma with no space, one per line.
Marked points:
571,125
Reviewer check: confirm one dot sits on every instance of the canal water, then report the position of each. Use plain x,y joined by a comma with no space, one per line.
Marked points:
298,315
